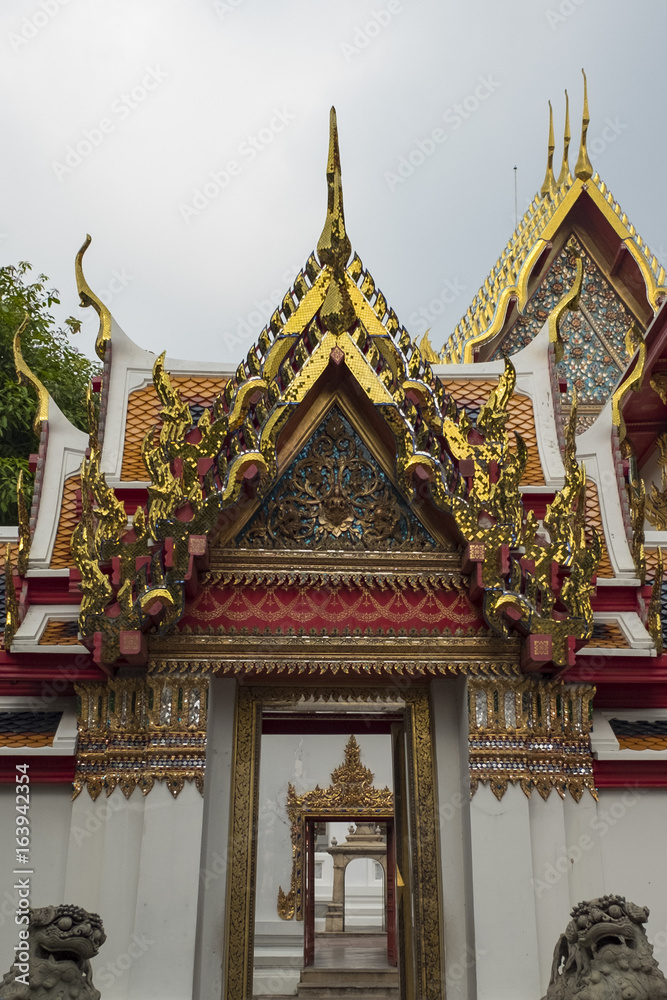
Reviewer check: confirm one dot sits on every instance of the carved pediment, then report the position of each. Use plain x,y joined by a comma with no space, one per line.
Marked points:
335,497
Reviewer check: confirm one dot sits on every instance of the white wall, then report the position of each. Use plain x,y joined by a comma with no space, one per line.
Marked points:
50,813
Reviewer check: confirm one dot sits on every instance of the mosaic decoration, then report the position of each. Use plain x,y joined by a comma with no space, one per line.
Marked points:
594,357
134,731
531,733
335,496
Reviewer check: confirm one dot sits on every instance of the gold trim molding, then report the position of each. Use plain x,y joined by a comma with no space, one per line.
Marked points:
428,956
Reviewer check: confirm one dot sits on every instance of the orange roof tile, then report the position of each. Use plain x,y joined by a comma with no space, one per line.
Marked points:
608,635
26,739
143,409
594,520
657,742
59,633
521,418
69,518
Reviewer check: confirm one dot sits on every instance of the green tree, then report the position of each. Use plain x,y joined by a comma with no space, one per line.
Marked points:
48,353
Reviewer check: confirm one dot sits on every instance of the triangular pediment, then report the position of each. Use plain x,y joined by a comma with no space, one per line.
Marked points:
335,497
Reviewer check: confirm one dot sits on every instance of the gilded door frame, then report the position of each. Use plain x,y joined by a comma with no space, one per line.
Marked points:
424,847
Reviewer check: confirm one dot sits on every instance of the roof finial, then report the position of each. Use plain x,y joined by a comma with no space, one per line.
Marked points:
549,182
88,298
334,247
565,167
28,378
584,168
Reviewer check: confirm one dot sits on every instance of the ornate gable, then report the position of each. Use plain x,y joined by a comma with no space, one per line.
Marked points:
335,496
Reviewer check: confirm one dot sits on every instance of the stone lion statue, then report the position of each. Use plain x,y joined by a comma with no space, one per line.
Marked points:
604,955
61,942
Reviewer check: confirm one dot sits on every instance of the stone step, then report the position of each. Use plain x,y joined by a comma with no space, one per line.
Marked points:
348,984
349,977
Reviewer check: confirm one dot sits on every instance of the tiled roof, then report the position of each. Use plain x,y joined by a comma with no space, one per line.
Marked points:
640,734
594,520
143,412
69,518
59,633
28,729
609,635
509,276
472,393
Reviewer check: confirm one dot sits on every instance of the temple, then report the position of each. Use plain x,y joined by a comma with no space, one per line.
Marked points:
340,672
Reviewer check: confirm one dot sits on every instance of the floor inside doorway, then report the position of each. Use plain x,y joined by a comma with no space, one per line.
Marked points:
351,951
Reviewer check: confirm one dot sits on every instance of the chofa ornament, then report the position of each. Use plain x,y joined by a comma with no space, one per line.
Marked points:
604,954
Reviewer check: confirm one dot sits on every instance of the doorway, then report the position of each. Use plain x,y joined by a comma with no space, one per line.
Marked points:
356,912
405,718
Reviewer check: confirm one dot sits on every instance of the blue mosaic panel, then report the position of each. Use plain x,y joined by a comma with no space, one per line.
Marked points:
335,496
594,335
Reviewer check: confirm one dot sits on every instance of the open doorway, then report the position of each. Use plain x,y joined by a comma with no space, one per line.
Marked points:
354,893
270,829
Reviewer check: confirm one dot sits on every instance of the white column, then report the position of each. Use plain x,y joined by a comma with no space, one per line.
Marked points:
586,872
163,947
450,741
212,882
551,872
505,935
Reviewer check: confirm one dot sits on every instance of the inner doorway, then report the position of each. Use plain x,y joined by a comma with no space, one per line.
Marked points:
335,935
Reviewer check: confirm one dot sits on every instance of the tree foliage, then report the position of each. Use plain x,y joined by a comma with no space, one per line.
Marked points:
47,351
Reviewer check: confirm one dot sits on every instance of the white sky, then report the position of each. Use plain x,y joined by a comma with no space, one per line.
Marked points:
223,69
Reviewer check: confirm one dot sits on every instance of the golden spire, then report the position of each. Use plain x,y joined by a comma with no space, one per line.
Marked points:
565,167
334,247
28,378
584,168
88,298
549,182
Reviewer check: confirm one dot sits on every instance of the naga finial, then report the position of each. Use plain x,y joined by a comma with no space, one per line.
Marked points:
88,298
548,188
565,166
584,168
28,378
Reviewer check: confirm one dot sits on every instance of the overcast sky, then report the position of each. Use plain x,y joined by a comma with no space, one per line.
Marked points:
190,140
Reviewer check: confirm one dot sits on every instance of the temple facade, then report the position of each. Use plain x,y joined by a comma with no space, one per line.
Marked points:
340,672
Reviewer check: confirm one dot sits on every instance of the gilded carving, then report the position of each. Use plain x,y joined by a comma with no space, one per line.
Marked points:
351,792
134,731
534,733
656,500
335,497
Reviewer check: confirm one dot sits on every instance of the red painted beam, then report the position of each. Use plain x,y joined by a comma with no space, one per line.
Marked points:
41,770
625,773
